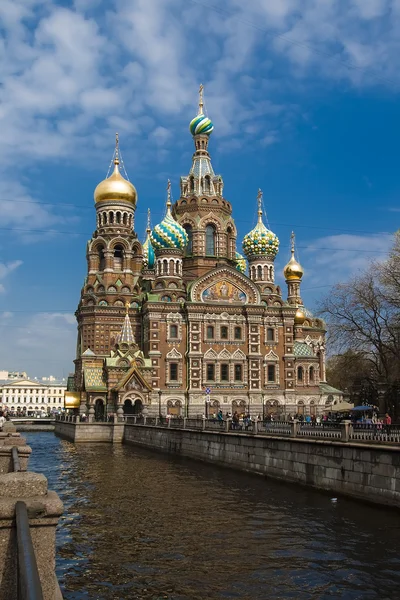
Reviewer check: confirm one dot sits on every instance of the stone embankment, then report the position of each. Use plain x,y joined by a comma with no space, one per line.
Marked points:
358,462
43,509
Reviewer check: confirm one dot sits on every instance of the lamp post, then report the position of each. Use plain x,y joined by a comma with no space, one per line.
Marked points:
159,403
208,400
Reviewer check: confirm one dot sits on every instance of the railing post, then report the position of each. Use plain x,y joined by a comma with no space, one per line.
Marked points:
228,425
184,422
156,422
294,428
345,430
169,423
134,420
255,427
144,420
204,424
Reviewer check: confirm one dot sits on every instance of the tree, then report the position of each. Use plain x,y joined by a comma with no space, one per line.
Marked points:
364,326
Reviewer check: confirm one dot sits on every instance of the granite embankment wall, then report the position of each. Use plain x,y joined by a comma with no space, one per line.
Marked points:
90,432
368,472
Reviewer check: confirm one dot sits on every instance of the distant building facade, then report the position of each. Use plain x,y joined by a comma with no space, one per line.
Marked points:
184,324
29,396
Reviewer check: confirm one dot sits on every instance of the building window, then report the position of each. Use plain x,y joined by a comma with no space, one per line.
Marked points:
166,299
173,331
210,372
300,374
238,373
224,372
210,332
311,374
270,334
224,333
210,240
173,372
271,373
189,245
238,333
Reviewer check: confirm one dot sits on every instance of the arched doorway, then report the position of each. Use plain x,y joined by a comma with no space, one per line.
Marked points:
138,407
99,410
128,407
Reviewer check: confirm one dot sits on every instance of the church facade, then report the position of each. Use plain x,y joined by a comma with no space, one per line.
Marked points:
183,324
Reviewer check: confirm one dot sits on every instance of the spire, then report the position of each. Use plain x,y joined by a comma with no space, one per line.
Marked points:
292,239
259,201
116,153
169,197
126,336
148,228
201,99
293,269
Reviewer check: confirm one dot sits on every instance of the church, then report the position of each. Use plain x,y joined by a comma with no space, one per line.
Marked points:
183,324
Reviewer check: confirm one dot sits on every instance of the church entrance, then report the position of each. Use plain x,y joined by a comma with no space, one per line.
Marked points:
133,407
99,410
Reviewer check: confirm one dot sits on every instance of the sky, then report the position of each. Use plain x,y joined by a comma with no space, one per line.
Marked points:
304,97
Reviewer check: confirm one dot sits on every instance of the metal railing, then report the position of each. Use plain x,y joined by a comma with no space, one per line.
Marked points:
29,586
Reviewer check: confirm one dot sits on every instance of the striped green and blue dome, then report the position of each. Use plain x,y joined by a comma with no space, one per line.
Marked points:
168,234
201,124
240,262
148,253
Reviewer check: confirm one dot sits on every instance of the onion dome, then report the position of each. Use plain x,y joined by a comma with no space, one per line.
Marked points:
240,263
169,234
115,187
201,124
148,250
293,269
260,241
300,316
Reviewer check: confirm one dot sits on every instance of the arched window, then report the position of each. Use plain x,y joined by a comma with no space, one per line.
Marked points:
173,331
165,267
230,246
210,332
224,333
191,184
166,299
210,240
311,374
102,260
207,184
259,272
111,218
118,217
189,246
238,333
270,334
271,373
300,374
118,257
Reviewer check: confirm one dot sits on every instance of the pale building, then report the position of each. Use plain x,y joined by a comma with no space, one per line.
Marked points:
29,396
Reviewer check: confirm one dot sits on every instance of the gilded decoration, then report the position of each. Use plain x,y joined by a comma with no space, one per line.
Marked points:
224,291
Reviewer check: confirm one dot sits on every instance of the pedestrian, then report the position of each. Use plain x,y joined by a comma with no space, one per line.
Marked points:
2,419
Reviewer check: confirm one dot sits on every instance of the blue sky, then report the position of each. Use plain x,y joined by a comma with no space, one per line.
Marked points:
304,99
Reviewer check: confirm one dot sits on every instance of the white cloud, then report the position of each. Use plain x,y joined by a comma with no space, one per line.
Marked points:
335,258
5,270
38,343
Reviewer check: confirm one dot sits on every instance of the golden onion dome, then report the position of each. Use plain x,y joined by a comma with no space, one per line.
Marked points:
293,269
300,316
115,188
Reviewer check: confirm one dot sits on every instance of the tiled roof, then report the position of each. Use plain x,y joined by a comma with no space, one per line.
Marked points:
94,380
303,350
325,388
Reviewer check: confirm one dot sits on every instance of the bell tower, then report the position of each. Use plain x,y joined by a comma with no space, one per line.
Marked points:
202,209
114,259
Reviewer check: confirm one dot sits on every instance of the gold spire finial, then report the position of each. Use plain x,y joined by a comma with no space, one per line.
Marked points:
292,239
168,195
148,229
127,306
201,99
116,158
259,201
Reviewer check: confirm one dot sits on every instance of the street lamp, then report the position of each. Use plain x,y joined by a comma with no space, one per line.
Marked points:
159,403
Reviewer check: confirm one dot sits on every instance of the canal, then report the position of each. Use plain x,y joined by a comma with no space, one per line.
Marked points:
138,524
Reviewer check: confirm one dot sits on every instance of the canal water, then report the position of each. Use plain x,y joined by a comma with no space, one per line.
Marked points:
139,524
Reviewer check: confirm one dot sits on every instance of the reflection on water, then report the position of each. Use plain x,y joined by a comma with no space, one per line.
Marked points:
138,524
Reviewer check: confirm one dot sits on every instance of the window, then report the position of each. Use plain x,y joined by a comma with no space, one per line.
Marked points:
118,257
238,333
189,246
224,333
271,373
300,374
311,374
166,299
210,240
173,331
210,372
238,373
173,372
270,334
224,372
210,332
